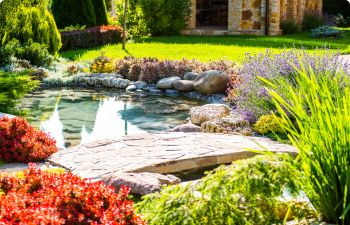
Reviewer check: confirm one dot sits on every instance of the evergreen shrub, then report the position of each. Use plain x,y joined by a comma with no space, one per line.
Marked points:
29,21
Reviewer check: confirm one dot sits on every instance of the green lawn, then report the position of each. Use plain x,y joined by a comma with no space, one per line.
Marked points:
211,48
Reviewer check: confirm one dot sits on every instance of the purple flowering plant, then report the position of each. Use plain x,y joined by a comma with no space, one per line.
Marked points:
251,96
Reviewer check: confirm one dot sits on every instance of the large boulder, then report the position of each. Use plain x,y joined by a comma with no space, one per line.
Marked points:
190,76
233,123
141,183
184,85
201,114
211,82
167,83
186,128
115,82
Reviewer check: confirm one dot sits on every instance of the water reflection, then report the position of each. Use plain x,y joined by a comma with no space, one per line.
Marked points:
109,123
80,116
54,127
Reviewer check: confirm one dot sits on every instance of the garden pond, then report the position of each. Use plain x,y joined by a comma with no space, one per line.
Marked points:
77,116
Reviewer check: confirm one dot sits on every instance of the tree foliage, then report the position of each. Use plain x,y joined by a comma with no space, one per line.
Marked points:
337,6
83,12
29,21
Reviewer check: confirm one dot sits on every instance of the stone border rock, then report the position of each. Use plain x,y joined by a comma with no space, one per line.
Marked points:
207,80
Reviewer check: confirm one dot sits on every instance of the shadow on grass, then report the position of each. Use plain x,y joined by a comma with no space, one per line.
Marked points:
301,40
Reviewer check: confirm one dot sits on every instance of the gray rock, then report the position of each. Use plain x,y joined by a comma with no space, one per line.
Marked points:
186,128
121,83
183,85
155,91
190,76
141,183
171,92
114,82
211,82
140,84
234,123
214,99
108,82
167,83
201,114
131,88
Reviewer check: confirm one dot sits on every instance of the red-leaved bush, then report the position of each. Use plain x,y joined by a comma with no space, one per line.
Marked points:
152,69
44,197
20,142
91,37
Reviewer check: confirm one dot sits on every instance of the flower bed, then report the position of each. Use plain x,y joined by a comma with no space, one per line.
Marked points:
44,197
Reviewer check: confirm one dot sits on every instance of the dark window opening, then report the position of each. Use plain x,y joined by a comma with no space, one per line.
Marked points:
212,13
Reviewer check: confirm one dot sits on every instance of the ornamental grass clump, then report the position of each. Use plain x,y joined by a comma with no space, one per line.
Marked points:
316,116
247,192
45,197
250,94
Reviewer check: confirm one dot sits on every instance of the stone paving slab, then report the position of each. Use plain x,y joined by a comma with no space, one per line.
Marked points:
164,152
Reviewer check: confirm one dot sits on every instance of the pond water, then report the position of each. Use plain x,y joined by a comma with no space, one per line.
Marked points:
79,116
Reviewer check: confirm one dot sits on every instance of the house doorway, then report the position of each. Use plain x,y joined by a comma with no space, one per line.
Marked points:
212,14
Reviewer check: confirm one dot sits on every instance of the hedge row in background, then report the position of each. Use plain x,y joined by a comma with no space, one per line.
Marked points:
91,37
82,12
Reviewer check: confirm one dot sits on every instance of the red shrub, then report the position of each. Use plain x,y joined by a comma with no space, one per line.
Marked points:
20,142
42,197
151,69
91,37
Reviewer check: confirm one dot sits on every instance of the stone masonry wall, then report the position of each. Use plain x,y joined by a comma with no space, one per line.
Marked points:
249,16
296,9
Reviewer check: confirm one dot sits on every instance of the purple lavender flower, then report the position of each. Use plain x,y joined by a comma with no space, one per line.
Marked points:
278,69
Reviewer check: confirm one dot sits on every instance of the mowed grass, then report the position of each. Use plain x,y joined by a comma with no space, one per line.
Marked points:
211,48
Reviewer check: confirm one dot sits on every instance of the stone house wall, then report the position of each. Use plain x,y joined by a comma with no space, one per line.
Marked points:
249,16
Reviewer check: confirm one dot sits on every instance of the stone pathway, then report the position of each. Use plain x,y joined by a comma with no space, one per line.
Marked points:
160,153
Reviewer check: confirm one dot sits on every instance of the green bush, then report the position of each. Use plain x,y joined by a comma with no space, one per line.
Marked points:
247,192
165,17
12,87
327,32
29,21
312,20
136,26
35,53
342,21
73,12
157,17
269,124
320,105
289,27
337,6
100,11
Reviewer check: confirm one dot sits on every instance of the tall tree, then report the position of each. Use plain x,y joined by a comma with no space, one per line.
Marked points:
100,12
73,12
